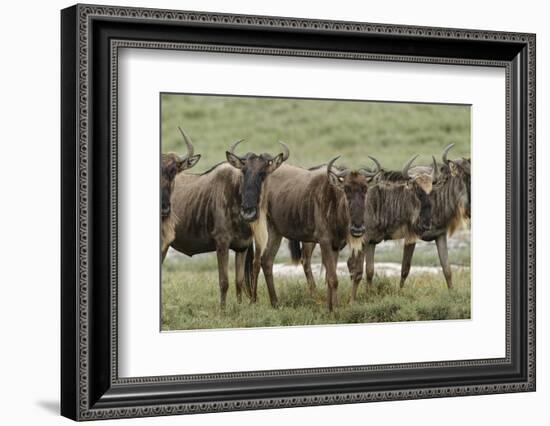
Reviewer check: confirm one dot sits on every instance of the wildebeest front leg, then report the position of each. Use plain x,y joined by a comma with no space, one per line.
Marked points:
330,259
256,266
268,257
307,252
369,260
355,267
408,251
223,259
442,251
239,274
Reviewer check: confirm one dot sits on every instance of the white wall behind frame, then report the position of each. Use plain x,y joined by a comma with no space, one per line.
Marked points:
29,133
141,346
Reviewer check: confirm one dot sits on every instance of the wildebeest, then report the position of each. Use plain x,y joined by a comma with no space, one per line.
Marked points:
397,207
171,165
395,210
451,207
324,206
224,208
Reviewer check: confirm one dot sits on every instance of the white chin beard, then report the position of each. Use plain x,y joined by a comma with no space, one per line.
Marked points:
355,243
259,230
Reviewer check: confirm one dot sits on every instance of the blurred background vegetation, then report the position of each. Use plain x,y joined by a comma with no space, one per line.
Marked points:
316,131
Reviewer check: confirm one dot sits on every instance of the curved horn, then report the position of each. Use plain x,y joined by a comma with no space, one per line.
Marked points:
407,166
435,170
375,161
445,152
330,163
366,172
286,152
232,147
187,139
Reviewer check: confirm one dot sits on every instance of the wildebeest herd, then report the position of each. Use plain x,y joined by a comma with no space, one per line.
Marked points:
250,202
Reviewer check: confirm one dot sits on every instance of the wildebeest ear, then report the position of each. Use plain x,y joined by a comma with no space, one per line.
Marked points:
277,161
189,162
234,160
335,180
453,167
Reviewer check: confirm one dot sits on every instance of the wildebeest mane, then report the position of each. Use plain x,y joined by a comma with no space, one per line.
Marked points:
391,176
448,199
211,169
338,167
389,207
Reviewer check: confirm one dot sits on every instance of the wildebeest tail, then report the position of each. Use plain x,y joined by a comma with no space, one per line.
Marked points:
295,251
248,266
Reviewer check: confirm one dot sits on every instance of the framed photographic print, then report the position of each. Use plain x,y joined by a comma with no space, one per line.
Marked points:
263,212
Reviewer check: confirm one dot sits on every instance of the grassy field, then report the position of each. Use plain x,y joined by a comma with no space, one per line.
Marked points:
315,131
190,300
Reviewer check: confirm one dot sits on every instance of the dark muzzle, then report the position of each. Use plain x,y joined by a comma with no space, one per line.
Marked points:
165,211
250,214
357,231
425,219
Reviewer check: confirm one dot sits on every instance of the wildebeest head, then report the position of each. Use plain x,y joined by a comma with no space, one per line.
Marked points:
419,178
354,184
459,168
171,165
254,168
423,176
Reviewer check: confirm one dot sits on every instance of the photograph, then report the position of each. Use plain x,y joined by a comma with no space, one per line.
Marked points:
282,212
276,210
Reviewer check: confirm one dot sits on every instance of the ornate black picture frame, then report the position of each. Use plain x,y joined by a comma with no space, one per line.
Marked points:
91,36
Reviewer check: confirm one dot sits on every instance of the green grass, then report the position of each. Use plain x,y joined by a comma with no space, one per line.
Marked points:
190,300
315,132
